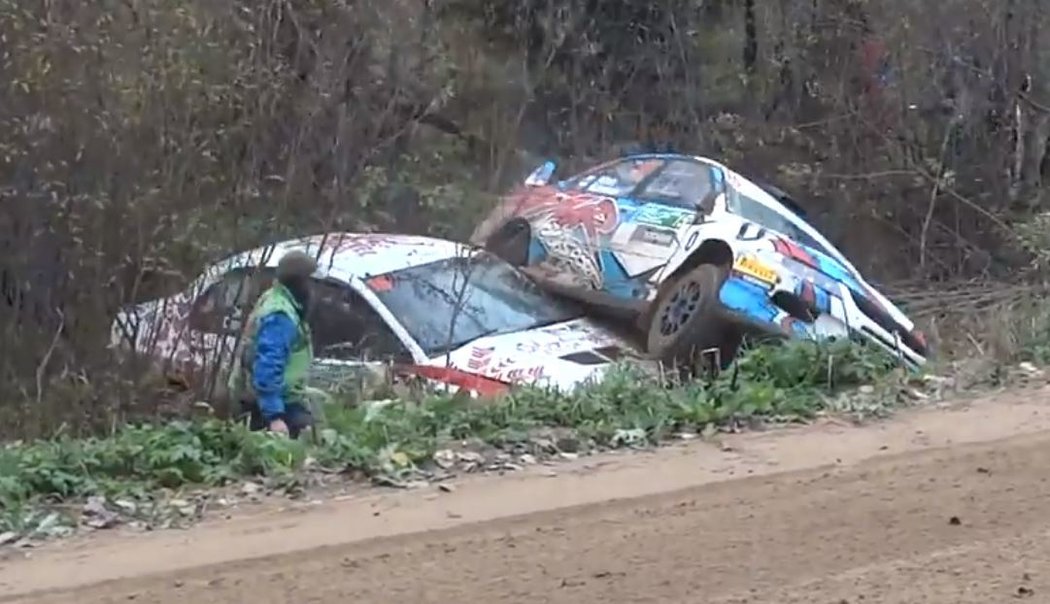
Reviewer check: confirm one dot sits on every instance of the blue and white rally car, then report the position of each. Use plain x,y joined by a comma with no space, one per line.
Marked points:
694,252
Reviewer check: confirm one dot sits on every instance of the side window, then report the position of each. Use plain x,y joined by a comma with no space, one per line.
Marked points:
760,214
346,327
225,304
620,178
771,219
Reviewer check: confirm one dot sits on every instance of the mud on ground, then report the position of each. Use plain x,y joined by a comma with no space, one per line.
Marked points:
940,506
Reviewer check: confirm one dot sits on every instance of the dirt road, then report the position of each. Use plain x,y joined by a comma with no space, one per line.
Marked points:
938,506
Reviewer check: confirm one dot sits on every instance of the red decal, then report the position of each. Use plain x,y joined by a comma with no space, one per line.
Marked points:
595,215
792,250
382,283
454,377
480,357
529,374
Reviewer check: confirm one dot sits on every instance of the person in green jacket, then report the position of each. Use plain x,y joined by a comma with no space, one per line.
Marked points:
276,350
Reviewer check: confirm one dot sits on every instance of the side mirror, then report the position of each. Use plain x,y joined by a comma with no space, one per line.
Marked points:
542,175
707,204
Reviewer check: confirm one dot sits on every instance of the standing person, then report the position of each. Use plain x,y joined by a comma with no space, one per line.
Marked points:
276,350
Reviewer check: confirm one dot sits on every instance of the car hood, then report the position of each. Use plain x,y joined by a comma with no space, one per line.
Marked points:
564,355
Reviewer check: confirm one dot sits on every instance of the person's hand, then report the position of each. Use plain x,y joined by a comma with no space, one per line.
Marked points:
278,426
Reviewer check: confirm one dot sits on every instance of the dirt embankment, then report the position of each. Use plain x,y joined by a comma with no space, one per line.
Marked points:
944,505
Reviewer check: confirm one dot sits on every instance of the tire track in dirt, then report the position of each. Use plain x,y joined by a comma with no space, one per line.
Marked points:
879,529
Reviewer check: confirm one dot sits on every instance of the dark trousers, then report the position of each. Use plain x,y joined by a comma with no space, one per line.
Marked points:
296,416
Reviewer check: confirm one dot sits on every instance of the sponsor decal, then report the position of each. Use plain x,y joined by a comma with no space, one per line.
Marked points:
571,226
521,375
660,215
756,269
480,357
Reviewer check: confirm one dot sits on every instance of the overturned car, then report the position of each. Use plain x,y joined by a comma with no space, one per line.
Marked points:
395,305
695,253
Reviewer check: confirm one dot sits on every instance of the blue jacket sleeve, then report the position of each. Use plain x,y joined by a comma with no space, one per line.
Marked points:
273,345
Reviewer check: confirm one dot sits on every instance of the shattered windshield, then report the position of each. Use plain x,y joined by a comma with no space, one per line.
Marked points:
446,304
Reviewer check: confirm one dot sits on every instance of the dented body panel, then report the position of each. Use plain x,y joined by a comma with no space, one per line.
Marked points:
614,234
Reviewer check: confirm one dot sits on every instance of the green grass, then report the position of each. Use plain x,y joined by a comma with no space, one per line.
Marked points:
791,382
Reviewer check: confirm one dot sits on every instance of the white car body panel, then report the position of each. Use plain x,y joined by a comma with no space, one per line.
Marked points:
576,223
531,356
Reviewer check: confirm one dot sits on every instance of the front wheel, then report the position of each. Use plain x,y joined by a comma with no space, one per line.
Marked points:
688,318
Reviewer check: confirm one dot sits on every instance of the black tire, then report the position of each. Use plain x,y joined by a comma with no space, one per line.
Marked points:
688,318
511,242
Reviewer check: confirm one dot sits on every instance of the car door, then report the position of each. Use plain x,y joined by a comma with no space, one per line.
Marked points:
354,346
216,320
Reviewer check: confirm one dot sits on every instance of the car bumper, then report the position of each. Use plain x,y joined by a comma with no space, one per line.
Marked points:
753,303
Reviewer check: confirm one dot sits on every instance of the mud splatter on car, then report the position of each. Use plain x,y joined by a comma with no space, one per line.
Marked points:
400,304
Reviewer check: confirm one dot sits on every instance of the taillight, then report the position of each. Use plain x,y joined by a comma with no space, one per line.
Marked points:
466,381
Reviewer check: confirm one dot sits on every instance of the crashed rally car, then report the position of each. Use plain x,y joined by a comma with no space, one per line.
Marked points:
699,255
438,311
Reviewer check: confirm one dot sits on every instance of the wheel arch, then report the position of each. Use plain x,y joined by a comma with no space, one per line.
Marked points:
510,240
710,251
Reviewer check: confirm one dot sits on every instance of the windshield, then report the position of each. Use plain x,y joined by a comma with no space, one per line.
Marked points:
681,183
678,182
616,179
446,304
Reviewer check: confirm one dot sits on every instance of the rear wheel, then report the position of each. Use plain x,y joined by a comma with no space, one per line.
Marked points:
688,318
511,242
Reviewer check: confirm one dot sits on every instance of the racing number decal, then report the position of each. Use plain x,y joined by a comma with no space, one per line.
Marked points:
750,232
689,243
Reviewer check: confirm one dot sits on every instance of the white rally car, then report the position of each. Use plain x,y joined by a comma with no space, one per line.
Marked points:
694,252
444,312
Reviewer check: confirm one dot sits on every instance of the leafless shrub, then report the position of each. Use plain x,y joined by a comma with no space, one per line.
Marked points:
139,140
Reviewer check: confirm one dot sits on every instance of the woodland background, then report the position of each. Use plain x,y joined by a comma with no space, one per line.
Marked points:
140,139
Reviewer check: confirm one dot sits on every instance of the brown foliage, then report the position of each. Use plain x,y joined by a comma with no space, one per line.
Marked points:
142,138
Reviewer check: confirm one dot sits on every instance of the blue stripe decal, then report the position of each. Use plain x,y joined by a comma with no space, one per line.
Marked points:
823,300
748,298
718,177
615,279
537,253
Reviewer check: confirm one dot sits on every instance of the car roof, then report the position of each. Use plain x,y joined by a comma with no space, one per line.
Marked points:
684,156
344,256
